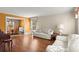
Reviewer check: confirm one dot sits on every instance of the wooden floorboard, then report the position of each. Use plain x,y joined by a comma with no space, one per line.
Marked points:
27,43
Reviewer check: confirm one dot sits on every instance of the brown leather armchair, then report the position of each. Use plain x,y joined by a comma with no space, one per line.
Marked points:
5,39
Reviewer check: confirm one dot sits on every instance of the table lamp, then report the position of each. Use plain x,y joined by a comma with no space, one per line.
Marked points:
60,28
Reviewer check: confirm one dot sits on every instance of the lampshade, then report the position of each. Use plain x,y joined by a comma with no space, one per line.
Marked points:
60,28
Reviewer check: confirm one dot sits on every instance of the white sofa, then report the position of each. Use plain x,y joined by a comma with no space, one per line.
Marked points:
73,43
65,44
59,45
43,34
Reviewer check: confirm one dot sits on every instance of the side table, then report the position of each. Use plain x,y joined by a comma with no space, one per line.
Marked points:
53,36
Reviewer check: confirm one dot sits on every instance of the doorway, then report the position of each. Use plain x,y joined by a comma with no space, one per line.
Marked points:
13,26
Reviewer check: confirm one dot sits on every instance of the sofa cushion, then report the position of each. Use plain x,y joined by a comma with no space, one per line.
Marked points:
44,30
73,43
39,30
55,48
62,38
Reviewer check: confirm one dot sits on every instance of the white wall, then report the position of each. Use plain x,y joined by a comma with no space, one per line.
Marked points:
67,19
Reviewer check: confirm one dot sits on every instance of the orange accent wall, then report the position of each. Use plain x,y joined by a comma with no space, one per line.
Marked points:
27,25
2,20
22,23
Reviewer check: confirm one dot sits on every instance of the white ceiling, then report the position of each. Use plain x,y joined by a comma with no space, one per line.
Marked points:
35,11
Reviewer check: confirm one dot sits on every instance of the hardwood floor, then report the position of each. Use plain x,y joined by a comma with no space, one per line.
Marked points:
27,43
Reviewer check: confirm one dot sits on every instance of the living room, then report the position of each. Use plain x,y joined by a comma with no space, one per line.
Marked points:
37,25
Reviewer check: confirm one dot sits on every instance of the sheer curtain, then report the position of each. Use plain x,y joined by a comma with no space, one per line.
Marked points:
34,23
76,20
